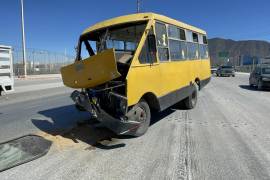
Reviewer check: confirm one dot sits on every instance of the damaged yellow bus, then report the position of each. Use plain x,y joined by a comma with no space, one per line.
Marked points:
130,66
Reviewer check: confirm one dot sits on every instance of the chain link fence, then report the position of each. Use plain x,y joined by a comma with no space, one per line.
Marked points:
39,61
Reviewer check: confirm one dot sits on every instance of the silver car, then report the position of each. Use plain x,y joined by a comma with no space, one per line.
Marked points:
260,77
225,71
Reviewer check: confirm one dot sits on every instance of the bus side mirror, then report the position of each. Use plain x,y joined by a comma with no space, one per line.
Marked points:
152,43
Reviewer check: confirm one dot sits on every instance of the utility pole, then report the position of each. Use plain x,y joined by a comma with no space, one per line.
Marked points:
253,63
138,5
23,40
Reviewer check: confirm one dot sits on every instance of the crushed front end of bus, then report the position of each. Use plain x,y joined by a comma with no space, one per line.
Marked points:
102,75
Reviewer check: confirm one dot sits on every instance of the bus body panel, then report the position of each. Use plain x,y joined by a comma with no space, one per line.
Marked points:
141,80
170,82
92,71
167,79
139,17
206,69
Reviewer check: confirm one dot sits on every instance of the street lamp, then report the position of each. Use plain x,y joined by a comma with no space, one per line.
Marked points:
23,40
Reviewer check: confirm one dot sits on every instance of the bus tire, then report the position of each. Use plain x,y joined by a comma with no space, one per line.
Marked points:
191,101
144,117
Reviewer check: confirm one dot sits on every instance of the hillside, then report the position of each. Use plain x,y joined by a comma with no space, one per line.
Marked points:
237,48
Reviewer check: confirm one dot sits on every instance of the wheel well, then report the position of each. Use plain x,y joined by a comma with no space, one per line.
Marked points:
152,101
198,82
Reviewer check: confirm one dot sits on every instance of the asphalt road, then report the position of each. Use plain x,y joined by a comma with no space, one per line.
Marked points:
227,136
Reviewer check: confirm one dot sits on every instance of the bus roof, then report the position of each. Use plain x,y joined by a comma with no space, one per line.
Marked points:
140,17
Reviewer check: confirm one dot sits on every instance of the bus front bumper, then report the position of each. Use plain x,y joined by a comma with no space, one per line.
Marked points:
120,126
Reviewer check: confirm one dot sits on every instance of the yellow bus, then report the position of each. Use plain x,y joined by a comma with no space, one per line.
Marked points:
130,66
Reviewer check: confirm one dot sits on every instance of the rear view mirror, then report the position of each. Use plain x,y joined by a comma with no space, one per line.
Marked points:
152,43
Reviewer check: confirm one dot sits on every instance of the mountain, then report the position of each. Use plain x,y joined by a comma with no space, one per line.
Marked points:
237,49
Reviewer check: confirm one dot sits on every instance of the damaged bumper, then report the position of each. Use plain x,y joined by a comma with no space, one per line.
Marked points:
121,126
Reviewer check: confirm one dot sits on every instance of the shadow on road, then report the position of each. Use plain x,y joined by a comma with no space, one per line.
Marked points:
62,122
161,115
252,88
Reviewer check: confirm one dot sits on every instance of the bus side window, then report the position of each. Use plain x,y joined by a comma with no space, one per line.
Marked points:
192,45
148,52
177,44
203,47
193,50
162,42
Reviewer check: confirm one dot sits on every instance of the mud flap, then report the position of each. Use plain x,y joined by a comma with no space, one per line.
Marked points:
22,150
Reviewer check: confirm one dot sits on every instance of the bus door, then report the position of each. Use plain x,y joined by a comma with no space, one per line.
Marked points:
145,74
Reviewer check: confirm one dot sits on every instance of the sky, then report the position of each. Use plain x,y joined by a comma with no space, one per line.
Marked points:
55,25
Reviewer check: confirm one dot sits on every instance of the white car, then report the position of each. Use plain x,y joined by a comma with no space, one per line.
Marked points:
6,69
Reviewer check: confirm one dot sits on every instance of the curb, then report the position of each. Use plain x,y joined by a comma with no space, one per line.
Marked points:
244,73
45,76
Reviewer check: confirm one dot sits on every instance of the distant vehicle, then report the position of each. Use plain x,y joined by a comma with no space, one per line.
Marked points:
6,69
225,71
213,70
144,62
260,77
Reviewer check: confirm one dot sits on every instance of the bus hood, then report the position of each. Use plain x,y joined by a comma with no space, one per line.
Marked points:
92,71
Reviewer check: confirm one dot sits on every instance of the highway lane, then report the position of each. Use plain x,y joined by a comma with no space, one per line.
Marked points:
226,136
17,111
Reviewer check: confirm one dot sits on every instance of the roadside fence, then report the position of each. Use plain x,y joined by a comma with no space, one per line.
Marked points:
39,61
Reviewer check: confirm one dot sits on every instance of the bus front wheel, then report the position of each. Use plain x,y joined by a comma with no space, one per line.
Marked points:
142,114
191,101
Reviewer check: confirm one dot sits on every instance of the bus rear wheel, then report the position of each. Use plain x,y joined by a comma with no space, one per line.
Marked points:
142,114
191,101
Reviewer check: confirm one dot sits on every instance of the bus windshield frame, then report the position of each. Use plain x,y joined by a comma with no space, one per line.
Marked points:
123,38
